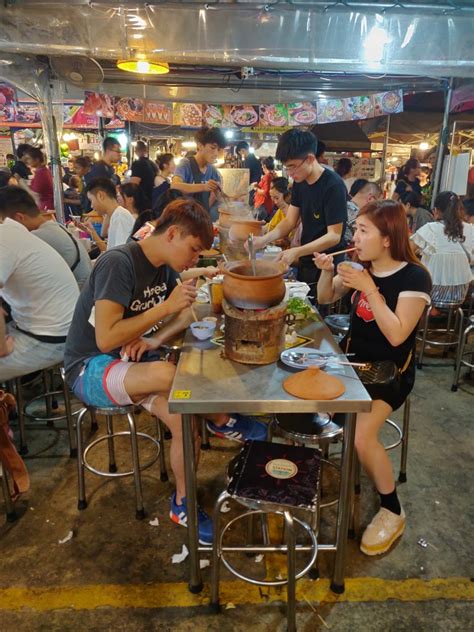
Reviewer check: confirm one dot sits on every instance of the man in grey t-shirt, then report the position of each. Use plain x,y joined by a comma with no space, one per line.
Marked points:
26,212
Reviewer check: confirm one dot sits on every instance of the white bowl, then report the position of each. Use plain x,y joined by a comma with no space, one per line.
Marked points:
203,329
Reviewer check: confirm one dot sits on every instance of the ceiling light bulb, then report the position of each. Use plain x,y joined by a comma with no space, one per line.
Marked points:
424,146
143,66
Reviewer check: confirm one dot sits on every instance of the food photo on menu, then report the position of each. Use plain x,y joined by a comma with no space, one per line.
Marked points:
244,115
302,114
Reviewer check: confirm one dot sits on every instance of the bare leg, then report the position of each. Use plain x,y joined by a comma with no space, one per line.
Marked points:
371,453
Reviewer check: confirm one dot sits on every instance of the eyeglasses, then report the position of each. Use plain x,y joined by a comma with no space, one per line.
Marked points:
294,169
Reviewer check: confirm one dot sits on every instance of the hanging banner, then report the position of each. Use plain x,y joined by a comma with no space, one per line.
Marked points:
130,109
302,114
96,104
188,115
8,103
159,113
74,116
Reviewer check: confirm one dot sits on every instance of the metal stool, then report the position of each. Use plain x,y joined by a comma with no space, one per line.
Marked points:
9,507
82,462
452,336
461,353
282,463
49,395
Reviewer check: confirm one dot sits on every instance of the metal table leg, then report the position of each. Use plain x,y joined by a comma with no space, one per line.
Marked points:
195,579
343,509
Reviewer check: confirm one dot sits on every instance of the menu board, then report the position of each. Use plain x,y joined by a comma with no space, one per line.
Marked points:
96,104
160,113
217,116
273,115
130,109
302,114
188,114
244,115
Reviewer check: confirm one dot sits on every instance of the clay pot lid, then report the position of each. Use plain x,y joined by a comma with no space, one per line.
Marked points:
314,384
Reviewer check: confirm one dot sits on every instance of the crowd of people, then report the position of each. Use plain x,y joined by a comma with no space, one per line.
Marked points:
107,321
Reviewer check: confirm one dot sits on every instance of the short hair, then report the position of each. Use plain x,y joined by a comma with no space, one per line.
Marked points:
140,145
15,199
75,181
269,163
190,217
163,159
321,148
162,202
296,143
210,136
243,144
412,198
83,161
102,184
343,167
36,154
109,143
357,186
22,149
365,185
10,156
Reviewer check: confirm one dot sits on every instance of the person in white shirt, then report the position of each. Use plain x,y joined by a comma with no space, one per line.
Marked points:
447,249
41,290
19,205
103,197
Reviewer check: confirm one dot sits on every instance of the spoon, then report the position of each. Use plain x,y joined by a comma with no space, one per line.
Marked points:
252,254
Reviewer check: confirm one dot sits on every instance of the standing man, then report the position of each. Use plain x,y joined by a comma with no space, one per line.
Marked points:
144,170
104,168
196,175
102,195
20,169
252,163
82,168
17,204
318,198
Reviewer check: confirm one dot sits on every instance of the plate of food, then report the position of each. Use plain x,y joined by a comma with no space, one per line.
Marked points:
130,109
331,110
301,309
391,102
360,107
273,115
302,114
214,115
244,115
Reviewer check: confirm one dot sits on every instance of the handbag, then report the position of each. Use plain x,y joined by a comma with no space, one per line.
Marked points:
377,372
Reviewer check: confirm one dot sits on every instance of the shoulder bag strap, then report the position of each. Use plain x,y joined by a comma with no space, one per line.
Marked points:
76,246
197,177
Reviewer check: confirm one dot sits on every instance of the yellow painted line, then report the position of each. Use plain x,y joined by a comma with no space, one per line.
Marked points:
176,595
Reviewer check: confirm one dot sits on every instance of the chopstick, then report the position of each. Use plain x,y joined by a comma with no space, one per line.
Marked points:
340,252
179,282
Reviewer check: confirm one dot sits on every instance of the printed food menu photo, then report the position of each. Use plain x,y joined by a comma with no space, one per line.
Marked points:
302,114
160,113
218,116
188,114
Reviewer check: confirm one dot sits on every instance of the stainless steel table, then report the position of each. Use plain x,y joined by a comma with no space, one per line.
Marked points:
206,382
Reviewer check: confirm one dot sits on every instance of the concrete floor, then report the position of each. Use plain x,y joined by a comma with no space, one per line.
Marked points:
115,573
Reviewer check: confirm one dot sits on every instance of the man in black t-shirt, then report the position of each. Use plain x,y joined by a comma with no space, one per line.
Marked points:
105,168
319,199
144,170
252,163
20,169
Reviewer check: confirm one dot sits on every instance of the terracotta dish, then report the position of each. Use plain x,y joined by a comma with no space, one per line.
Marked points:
314,384
246,291
241,228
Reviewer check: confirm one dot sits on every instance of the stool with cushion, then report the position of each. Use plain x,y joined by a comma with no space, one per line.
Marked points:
110,436
270,479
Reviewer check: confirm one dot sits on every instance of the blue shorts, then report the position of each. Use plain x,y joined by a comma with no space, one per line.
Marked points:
100,382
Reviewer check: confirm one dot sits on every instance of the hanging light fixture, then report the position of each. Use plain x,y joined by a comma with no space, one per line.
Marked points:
143,66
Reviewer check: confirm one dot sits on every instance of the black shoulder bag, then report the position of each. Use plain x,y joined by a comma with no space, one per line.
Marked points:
378,372
76,246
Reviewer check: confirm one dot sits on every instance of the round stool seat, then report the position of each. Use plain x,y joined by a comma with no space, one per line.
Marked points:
338,323
309,426
114,410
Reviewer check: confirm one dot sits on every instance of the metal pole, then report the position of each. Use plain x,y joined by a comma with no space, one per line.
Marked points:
51,136
443,140
385,148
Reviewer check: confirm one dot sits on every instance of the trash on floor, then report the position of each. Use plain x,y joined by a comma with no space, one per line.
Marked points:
204,564
67,538
180,557
155,522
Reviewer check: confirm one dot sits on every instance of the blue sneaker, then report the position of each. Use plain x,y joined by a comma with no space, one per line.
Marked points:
179,515
240,428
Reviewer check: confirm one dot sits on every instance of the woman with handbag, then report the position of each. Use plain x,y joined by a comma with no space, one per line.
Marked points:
389,296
